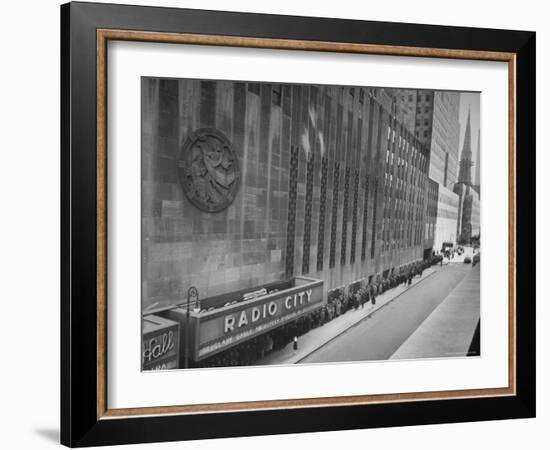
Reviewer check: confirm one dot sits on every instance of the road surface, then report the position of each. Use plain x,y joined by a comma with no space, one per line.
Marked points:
380,335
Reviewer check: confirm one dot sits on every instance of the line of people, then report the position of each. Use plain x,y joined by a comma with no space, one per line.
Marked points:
255,349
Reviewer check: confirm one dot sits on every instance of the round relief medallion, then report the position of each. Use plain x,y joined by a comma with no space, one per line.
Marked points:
209,170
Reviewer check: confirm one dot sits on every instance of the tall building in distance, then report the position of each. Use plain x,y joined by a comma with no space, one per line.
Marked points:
433,118
405,107
468,226
444,134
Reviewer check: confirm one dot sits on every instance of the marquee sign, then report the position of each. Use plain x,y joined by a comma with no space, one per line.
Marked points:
214,331
237,323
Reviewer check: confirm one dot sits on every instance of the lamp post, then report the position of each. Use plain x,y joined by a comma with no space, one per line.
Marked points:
192,296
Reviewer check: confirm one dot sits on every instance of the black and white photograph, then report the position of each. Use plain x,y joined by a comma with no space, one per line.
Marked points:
301,224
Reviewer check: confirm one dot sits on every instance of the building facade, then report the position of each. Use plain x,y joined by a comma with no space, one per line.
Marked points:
433,117
405,108
329,185
431,217
447,218
445,135
468,224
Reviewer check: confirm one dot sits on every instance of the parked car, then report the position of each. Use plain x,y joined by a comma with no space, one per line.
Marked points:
467,260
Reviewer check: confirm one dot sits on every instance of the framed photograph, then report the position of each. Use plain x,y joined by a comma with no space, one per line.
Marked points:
274,224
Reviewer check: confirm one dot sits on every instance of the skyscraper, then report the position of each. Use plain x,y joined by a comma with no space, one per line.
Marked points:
433,117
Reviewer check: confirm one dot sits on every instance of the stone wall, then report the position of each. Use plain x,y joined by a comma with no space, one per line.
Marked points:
330,187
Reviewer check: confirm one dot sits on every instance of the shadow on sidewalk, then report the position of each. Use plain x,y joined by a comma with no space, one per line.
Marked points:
474,349
318,337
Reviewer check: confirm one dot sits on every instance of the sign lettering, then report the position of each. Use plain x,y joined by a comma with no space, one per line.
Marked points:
158,346
255,313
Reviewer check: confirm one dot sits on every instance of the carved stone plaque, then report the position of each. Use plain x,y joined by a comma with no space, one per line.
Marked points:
209,170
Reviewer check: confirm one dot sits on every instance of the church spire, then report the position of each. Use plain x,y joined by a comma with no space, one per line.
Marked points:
465,174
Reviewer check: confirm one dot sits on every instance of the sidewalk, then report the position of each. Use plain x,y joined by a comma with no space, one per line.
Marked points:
449,330
318,337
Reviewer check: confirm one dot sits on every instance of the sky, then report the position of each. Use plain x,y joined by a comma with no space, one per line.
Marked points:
469,100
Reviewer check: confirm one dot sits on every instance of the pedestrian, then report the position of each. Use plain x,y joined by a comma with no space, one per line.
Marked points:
295,344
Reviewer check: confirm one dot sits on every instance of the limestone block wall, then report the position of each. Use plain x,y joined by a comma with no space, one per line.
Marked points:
331,186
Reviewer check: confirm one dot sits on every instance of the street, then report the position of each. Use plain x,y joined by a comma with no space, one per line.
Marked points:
379,336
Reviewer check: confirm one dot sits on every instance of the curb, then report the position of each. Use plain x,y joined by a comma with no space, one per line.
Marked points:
359,321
